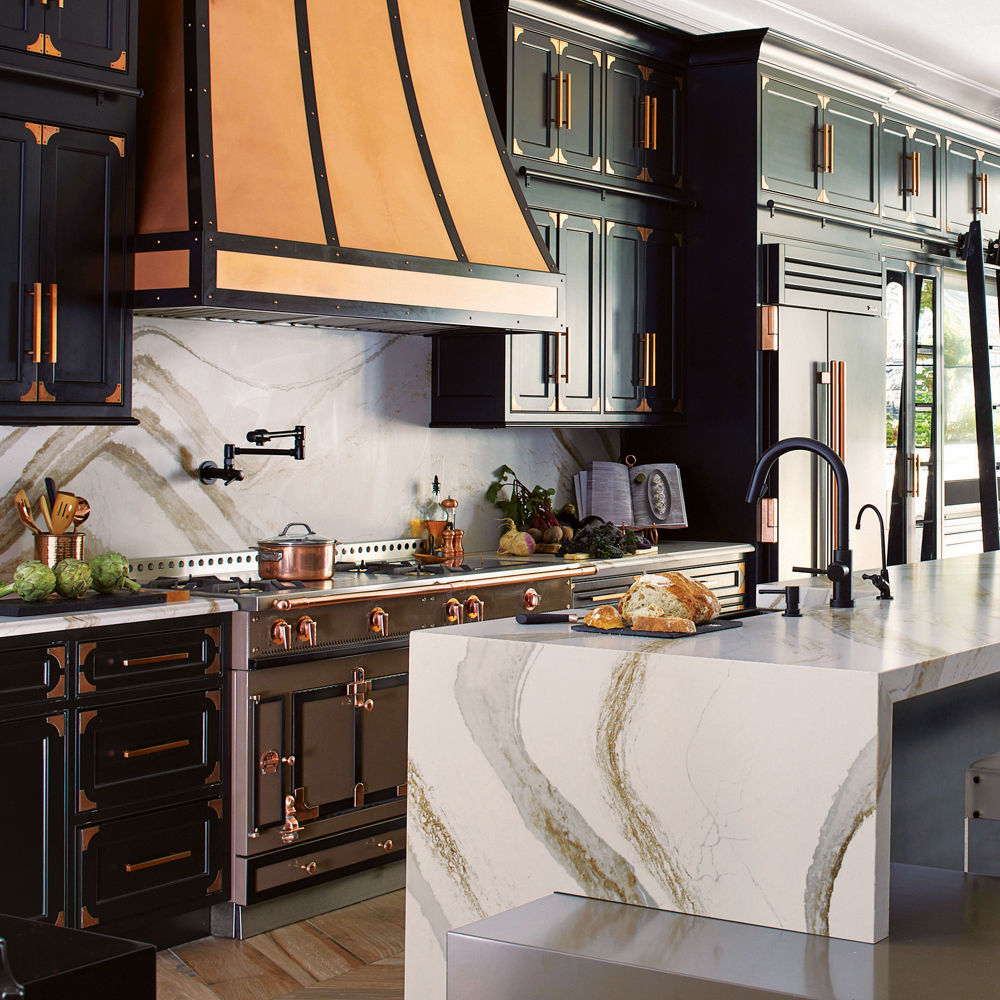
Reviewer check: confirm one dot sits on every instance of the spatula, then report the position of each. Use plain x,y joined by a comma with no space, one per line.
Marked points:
63,511
24,511
46,511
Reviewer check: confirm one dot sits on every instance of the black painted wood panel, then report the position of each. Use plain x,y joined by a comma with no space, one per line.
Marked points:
94,33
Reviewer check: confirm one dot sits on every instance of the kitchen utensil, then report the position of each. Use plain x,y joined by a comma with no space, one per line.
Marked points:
46,510
555,618
24,511
62,512
296,557
50,490
53,548
82,512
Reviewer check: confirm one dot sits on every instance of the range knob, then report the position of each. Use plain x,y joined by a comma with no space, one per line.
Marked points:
378,621
531,599
453,610
475,609
281,633
307,630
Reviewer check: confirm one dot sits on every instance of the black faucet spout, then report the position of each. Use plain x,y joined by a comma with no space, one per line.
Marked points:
839,571
880,580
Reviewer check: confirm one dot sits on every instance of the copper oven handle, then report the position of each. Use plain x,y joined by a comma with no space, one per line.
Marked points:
156,862
139,661
36,322
159,748
53,321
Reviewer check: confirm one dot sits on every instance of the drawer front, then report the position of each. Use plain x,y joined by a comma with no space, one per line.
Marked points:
159,859
381,843
32,674
148,658
131,754
726,580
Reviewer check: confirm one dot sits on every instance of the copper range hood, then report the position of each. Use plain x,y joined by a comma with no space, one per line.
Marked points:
331,163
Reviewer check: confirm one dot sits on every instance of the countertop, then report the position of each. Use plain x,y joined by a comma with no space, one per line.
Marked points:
742,775
36,624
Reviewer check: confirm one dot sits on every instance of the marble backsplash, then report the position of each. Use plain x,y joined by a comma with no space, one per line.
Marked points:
364,399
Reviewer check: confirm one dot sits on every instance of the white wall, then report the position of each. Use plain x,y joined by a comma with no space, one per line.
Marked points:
364,399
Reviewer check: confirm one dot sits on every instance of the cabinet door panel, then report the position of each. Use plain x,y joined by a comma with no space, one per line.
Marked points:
622,317
852,181
31,818
580,261
790,139
532,388
325,765
663,155
20,23
580,131
894,169
662,283
83,253
962,198
989,168
383,738
926,203
624,113
94,33
19,167
533,130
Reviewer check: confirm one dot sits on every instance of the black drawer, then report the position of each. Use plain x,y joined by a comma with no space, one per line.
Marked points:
32,674
131,754
152,861
132,661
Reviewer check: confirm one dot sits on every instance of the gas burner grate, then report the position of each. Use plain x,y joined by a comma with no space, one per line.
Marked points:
216,585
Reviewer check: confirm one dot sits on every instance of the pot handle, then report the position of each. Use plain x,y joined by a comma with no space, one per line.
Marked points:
292,524
267,555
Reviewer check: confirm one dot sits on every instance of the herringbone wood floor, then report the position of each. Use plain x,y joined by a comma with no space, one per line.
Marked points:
355,953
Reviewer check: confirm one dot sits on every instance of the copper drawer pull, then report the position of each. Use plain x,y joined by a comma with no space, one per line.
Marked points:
140,661
156,862
606,597
159,748
36,322
53,321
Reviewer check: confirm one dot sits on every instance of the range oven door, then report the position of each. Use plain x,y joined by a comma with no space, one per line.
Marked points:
323,747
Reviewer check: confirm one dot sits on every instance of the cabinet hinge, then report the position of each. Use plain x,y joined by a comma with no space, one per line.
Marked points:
767,519
767,328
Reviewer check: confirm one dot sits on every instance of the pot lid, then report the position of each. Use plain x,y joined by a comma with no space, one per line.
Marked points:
309,538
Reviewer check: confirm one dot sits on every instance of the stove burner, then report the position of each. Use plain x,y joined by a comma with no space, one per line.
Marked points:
216,585
400,567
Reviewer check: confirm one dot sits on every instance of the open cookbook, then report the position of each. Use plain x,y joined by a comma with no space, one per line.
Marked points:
640,496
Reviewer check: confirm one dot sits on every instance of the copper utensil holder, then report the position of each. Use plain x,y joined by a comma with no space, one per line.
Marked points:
50,549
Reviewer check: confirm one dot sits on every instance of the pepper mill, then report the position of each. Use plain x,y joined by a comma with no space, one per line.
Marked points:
459,557
448,544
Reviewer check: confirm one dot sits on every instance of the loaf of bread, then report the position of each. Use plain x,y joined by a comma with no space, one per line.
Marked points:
645,623
668,595
604,616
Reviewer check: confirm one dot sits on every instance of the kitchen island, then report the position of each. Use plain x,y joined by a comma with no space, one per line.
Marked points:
743,775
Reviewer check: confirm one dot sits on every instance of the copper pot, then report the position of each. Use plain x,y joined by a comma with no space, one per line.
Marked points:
296,557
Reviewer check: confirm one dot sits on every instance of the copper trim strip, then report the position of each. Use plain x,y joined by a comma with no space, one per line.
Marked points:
139,661
158,748
443,587
156,862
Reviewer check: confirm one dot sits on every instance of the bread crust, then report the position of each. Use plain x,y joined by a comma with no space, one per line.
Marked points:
604,616
673,594
643,623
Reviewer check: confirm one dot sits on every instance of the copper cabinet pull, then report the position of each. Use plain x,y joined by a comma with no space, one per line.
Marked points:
386,845
652,359
53,321
554,374
830,141
159,748
821,134
645,114
139,661
916,175
986,194
914,490
156,862
652,101
36,322
557,118
569,100
566,375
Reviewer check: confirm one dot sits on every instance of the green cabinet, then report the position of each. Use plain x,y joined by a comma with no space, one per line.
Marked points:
973,186
643,107
818,147
63,257
910,173
556,100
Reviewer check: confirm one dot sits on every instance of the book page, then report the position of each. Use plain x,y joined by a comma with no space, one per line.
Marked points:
657,497
608,493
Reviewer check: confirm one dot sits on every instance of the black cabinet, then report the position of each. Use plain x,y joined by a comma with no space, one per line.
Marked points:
556,97
817,146
910,173
74,39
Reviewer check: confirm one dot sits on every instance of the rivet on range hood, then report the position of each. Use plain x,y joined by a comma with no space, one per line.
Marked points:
331,164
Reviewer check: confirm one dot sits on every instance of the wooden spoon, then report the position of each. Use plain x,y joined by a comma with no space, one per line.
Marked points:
24,511
63,511
82,512
46,512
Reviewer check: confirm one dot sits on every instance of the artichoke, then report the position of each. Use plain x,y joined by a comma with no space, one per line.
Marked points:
72,577
109,572
33,581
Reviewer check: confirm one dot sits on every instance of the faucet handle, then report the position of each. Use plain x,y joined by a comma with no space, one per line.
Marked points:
791,600
809,569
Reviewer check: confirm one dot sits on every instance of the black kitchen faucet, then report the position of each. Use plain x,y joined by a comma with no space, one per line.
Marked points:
880,579
839,571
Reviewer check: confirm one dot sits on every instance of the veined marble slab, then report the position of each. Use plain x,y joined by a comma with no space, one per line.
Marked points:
35,624
743,775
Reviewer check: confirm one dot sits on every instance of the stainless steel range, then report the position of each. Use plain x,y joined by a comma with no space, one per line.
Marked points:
319,693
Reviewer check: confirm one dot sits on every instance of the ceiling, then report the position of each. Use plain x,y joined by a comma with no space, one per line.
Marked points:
947,52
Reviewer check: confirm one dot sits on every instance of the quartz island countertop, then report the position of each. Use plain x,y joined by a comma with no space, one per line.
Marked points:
743,775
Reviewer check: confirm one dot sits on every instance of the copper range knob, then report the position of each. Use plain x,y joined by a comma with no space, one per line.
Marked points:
475,609
378,621
281,633
453,611
531,599
306,630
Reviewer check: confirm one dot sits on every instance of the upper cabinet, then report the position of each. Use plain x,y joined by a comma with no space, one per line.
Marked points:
972,171
84,39
910,173
556,94
817,146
